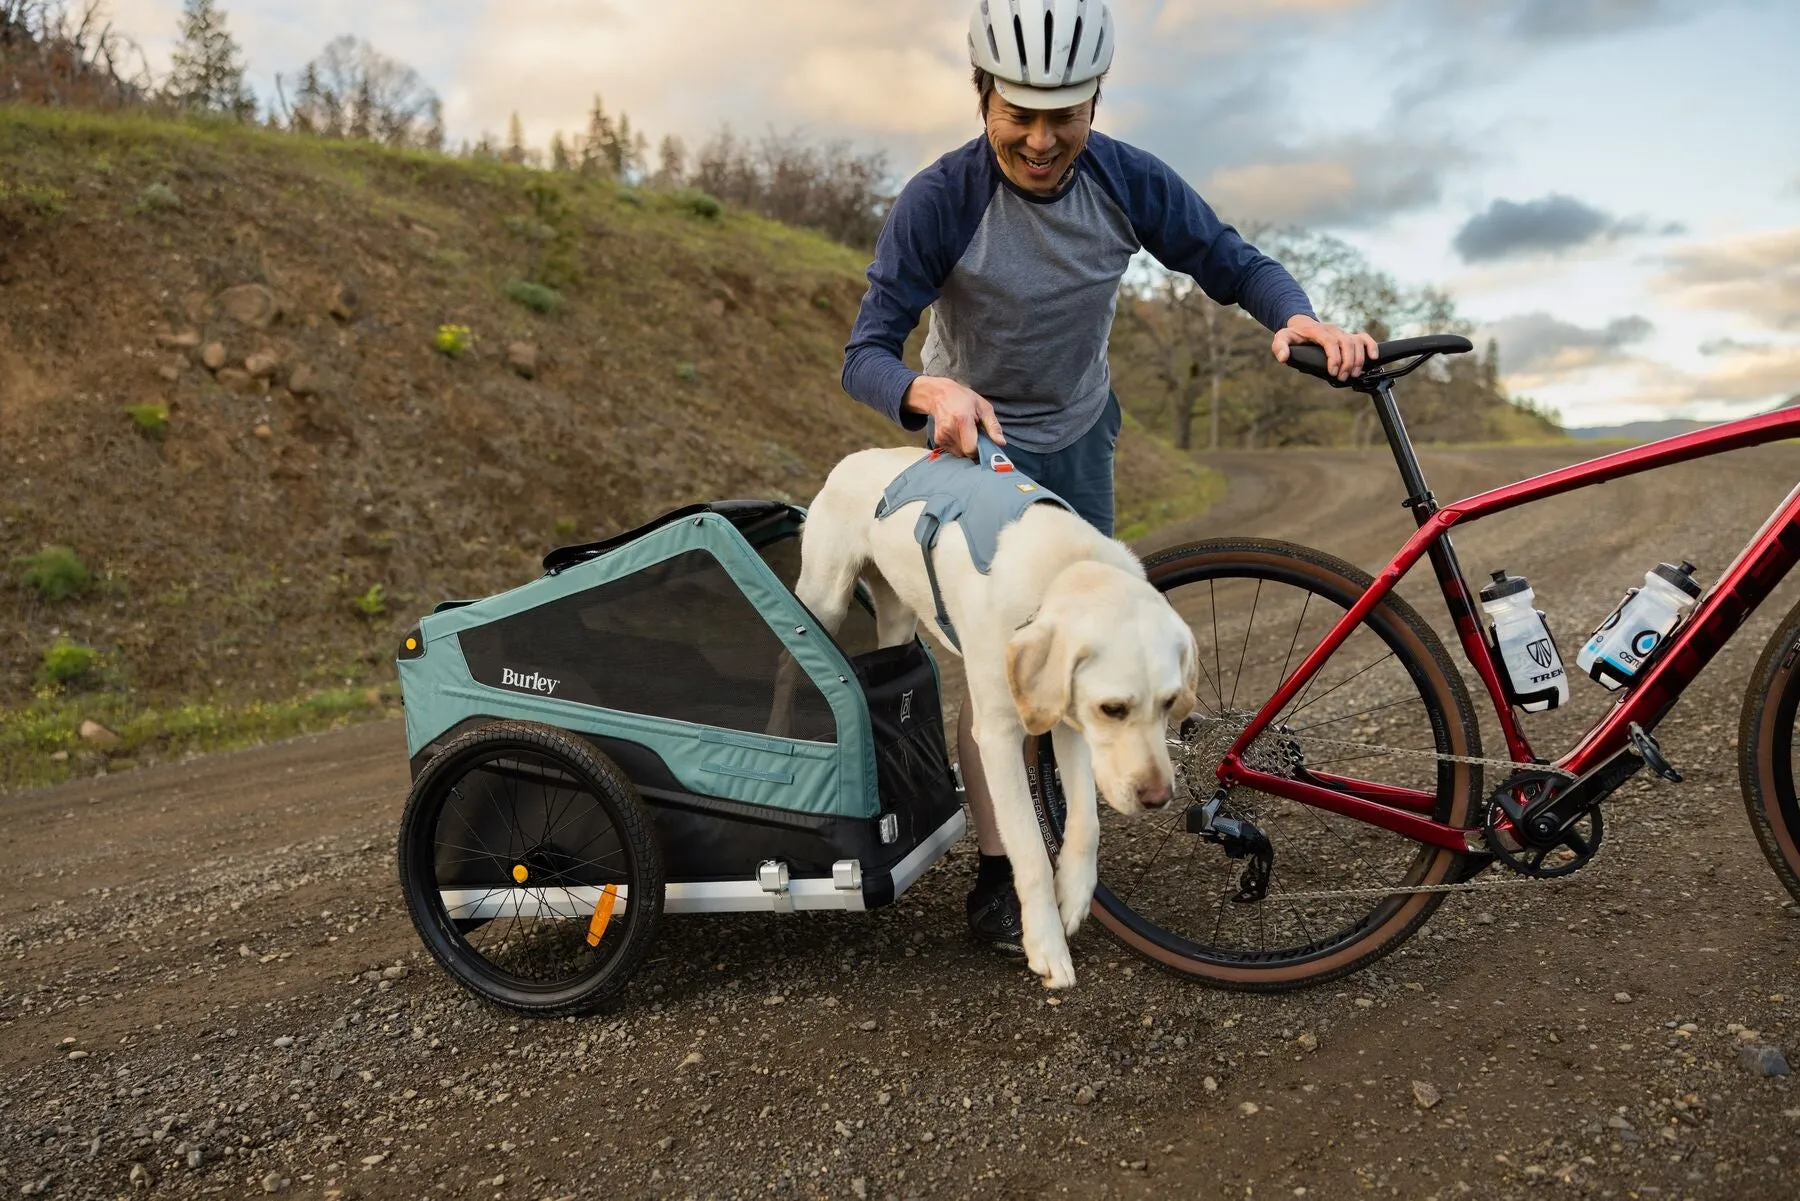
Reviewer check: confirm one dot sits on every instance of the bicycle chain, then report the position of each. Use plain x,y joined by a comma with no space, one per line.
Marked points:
1474,760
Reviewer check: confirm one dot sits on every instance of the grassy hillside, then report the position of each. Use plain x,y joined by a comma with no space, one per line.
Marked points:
264,531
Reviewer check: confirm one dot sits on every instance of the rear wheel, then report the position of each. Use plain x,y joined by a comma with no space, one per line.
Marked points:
1381,710
530,870
1766,746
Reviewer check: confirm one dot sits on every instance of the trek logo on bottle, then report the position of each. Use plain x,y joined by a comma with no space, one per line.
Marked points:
532,682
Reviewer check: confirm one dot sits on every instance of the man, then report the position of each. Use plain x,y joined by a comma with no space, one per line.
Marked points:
1017,241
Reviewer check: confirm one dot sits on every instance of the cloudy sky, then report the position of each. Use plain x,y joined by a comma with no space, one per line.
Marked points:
1611,187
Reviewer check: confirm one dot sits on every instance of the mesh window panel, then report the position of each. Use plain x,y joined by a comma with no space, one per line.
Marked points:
675,640
857,635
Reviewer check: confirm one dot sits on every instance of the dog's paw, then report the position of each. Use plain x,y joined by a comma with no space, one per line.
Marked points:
1053,966
1074,895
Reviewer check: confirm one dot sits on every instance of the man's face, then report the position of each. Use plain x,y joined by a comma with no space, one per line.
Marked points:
1035,147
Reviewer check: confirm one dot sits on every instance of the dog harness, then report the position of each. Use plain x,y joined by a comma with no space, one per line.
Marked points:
983,498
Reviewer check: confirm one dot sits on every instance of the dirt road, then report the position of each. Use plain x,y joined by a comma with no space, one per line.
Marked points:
208,984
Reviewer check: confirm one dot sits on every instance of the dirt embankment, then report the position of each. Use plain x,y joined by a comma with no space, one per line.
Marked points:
277,298
208,983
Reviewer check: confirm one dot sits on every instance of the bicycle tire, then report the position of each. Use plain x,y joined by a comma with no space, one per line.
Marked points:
626,938
1441,686
1766,752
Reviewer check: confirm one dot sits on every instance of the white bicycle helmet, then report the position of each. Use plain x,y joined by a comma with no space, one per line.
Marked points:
1042,53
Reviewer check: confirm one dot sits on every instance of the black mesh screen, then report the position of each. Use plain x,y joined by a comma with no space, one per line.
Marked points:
857,635
675,640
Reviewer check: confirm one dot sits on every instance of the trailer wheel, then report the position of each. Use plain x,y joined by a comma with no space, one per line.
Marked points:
530,869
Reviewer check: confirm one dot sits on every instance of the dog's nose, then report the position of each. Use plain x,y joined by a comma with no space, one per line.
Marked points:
1154,796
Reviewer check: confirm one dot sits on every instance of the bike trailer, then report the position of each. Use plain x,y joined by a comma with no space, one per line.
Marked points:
779,767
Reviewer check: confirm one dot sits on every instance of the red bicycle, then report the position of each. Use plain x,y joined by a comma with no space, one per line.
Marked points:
1331,807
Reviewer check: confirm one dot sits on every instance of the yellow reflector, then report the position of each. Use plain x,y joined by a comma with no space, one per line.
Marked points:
412,644
603,908
519,872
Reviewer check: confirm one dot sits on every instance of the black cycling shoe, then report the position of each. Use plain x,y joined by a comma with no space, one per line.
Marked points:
994,919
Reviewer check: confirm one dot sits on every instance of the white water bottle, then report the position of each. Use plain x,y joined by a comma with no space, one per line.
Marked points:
1533,670
1631,633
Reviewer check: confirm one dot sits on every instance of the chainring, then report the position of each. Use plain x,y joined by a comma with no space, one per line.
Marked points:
1570,850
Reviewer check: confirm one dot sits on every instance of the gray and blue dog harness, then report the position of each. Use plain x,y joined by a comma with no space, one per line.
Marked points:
983,498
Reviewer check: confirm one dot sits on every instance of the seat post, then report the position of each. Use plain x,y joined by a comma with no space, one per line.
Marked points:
1418,495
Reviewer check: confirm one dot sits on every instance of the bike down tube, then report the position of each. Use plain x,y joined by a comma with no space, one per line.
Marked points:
1391,575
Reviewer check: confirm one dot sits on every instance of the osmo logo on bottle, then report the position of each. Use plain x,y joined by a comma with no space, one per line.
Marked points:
533,682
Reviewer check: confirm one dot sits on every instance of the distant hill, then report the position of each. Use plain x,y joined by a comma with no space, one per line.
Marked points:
1637,431
219,389
1650,431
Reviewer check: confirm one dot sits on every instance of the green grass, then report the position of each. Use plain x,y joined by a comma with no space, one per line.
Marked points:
55,573
31,736
152,420
66,663
539,298
1202,489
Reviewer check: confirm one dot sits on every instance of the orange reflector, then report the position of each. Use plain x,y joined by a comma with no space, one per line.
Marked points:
412,644
519,873
603,908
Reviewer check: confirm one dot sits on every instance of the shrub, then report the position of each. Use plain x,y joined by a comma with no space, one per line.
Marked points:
699,203
41,202
156,198
373,603
539,298
453,341
687,372
55,573
152,420
565,527
67,662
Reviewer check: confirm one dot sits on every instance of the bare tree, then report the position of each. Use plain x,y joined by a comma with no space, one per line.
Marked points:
823,186
1195,345
352,90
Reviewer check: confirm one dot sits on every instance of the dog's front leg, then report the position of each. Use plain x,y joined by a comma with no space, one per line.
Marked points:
1077,866
1000,737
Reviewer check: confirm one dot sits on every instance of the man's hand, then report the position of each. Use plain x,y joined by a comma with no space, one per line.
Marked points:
955,412
1344,352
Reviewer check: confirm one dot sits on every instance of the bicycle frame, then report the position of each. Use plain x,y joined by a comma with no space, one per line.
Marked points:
1756,571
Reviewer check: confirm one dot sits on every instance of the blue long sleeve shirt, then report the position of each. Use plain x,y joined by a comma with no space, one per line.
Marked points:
1022,288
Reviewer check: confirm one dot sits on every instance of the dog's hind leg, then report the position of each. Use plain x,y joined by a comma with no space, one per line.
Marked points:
999,734
1077,866
895,622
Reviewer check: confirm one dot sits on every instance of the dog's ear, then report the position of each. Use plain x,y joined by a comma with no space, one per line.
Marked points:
1189,697
1040,670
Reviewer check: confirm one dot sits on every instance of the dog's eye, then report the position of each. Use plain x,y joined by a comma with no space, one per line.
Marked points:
1115,710
1168,704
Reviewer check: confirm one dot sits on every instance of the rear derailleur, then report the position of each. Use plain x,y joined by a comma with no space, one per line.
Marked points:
1545,825
1241,839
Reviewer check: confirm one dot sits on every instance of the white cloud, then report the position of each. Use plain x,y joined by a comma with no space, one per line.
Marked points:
1754,275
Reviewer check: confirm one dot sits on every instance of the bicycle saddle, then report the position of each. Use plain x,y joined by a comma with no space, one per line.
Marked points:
1311,359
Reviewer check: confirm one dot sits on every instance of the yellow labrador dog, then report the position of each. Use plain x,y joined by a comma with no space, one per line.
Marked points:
1063,635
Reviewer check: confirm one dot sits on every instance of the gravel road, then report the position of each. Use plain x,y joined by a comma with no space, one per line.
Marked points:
208,984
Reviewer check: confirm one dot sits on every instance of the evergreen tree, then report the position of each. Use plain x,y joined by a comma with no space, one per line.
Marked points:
596,147
671,163
515,141
207,70
560,159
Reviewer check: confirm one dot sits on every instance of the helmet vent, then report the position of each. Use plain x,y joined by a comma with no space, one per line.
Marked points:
1049,36
993,45
1074,45
1099,44
1019,36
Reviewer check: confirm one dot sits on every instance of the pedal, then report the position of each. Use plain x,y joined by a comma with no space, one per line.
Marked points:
1645,744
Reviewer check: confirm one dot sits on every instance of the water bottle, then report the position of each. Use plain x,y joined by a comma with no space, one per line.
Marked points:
1632,632
1530,665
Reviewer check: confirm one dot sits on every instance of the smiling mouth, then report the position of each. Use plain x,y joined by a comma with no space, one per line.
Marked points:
1037,164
